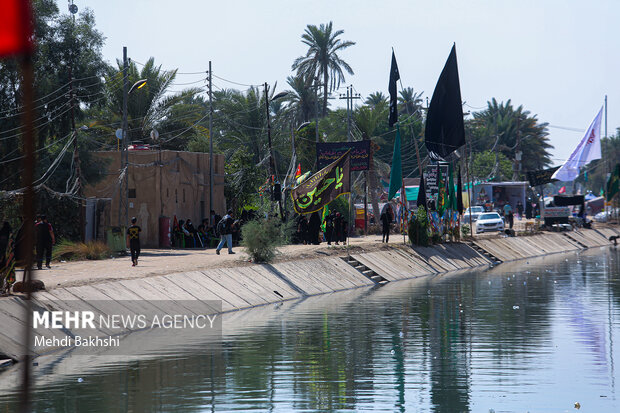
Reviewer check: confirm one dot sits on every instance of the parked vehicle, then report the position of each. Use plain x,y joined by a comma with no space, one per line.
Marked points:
489,222
605,216
475,213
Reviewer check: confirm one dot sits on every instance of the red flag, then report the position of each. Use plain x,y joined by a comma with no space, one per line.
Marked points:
298,172
15,27
562,190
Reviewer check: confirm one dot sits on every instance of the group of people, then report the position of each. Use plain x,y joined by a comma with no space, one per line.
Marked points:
13,254
313,231
207,234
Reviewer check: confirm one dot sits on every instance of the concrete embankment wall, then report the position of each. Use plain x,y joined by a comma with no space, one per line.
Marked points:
257,285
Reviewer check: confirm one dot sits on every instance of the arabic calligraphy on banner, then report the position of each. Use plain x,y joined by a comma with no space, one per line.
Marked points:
431,176
328,152
323,187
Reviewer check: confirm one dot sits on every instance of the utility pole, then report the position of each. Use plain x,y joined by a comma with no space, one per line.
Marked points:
76,155
316,107
349,97
210,144
124,193
415,141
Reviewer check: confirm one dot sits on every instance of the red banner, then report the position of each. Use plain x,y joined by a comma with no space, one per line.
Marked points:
15,27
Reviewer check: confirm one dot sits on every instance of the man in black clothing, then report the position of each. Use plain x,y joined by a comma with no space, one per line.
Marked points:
133,240
45,239
385,223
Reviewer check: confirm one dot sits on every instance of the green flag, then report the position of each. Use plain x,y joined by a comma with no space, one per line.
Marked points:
396,173
325,214
452,197
441,195
613,183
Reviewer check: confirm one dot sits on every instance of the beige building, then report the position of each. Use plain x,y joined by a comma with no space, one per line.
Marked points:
161,184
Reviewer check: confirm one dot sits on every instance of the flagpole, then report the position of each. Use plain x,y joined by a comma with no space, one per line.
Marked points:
607,165
470,191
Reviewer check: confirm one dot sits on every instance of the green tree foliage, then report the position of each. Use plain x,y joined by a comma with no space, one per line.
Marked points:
67,48
322,60
261,237
489,165
62,43
243,179
418,228
501,127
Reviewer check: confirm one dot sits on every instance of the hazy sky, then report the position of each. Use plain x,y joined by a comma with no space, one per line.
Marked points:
557,58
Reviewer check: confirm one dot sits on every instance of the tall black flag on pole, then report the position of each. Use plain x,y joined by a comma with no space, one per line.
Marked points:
445,131
394,76
422,193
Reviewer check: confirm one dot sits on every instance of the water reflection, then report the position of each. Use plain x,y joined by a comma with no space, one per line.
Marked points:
532,335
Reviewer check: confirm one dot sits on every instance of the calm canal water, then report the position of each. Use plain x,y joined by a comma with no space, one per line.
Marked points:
535,336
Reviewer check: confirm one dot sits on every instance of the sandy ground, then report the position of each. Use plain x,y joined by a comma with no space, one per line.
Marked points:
166,261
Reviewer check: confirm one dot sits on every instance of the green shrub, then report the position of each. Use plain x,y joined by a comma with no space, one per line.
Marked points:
465,230
261,237
75,251
418,228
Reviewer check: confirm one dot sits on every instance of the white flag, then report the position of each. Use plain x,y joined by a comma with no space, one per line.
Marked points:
588,150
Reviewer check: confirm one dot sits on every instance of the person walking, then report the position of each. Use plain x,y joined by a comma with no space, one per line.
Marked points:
225,230
385,223
45,239
508,214
133,241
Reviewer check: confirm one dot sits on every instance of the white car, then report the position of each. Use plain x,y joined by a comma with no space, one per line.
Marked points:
605,216
488,222
475,213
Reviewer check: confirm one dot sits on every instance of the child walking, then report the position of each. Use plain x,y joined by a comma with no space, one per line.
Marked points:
133,240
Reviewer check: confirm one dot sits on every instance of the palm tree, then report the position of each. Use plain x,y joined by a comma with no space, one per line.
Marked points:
410,101
367,120
501,127
301,99
322,58
375,99
147,108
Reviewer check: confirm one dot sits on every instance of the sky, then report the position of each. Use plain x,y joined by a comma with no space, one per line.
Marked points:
557,58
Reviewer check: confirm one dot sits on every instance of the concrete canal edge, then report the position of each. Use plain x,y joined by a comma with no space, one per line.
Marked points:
261,284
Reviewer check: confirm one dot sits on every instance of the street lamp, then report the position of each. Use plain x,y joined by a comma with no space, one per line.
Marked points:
138,85
124,152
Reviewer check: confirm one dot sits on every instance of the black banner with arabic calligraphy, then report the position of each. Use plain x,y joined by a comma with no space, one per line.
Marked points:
323,187
541,177
328,152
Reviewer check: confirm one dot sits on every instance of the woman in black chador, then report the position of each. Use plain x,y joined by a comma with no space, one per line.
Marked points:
314,228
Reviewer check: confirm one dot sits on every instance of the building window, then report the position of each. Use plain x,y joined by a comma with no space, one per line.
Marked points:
183,195
176,196
167,193
132,193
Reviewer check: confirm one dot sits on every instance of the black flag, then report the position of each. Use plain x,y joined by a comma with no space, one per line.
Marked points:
394,76
324,186
541,177
459,193
422,193
445,131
